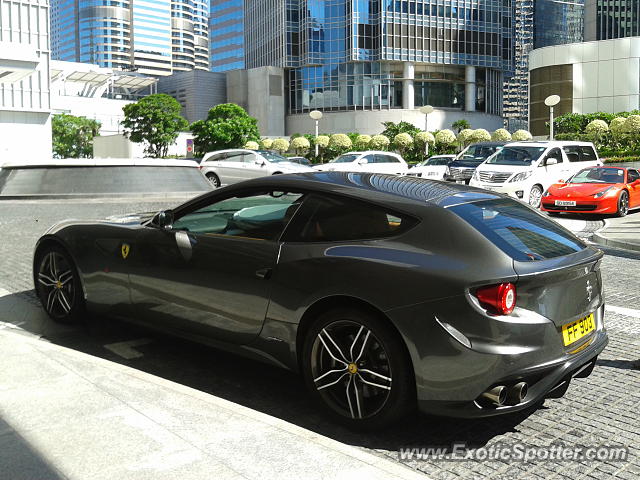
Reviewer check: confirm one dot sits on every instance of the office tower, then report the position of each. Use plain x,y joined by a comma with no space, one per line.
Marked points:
151,36
226,35
605,19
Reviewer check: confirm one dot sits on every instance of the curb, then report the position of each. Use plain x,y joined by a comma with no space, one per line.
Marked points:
609,242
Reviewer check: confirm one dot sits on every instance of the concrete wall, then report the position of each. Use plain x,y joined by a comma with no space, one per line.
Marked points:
370,122
196,90
105,110
261,92
606,73
25,124
119,146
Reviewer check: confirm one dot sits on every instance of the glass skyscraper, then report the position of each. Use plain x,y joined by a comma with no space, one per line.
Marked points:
558,22
379,54
151,36
226,35
606,19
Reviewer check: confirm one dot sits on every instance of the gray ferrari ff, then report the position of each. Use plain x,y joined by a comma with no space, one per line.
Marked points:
384,292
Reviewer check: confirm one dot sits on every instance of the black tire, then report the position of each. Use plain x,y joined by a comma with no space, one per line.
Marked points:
623,204
352,395
67,305
535,196
214,179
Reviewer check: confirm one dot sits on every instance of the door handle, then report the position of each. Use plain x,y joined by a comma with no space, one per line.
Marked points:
264,273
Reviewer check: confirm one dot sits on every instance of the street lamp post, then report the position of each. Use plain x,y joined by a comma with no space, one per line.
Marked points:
316,115
551,101
426,109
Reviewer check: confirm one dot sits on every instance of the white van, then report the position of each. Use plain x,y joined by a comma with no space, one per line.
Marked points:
524,170
370,161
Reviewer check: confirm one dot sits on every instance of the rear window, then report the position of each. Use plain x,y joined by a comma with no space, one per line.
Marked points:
517,230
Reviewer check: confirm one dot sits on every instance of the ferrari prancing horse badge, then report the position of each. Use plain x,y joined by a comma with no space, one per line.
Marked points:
125,250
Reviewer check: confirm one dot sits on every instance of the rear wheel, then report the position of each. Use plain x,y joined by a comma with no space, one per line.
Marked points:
213,178
58,285
623,204
356,366
535,196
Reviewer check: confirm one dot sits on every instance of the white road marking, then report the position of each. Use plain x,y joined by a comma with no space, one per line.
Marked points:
126,350
629,312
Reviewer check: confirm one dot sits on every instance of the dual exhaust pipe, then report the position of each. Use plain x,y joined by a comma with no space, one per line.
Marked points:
502,395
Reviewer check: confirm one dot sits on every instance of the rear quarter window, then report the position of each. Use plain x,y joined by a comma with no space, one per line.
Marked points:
519,231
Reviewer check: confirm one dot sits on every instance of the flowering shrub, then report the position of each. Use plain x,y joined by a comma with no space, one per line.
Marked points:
251,145
521,136
617,125
322,141
421,138
266,143
445,137
501,135
464,137
280,144
362,141
632,124
339,141
597,127
480,135
300,144
403,141
379,142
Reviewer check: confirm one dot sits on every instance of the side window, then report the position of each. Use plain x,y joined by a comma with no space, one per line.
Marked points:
588,154
369,159
249,158
261,216
633,175
386,159
234,157
218,157
573,153
554,153
335,219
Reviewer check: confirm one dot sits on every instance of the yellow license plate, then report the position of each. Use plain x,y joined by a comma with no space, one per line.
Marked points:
574,331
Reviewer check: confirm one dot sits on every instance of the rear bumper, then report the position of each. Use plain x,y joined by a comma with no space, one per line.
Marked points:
461,354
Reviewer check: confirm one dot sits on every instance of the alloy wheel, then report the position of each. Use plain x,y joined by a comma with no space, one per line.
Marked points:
535,196
213,178
623,204
56,285
351,369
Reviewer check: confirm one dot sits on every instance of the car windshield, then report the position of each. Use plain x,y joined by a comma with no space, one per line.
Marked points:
516,155
347,158
478,152
274,157
598,175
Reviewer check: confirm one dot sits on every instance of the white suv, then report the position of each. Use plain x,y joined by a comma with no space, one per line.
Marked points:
371,161
524,170
232,166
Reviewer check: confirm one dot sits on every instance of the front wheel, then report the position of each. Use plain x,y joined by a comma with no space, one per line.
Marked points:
623,204
535,196
58,285
213,178
356,366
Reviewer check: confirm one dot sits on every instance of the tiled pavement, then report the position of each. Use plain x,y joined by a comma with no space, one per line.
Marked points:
603,409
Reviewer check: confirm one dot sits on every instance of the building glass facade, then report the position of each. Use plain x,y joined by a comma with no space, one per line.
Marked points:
377,54
226,35
558,22
613,19
151,36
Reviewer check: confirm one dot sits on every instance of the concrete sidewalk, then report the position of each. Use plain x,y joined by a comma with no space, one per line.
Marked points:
68,415
620,232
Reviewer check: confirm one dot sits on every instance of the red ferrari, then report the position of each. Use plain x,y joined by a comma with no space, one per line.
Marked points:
595,190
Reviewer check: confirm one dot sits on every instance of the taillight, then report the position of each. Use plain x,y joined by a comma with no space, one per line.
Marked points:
200,167
500,299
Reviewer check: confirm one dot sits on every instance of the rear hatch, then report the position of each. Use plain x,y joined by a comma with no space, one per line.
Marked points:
558,275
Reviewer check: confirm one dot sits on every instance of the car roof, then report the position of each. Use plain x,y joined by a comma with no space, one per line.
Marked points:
550,143
402,191
100,162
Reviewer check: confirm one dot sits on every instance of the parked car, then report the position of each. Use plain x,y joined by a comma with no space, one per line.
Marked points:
433,168
525,170
383,291
226,167
299,160
595,190
462,168
370,161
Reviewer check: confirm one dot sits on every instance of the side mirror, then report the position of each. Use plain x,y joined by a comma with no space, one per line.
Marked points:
636,183
260,162
551,161
163,219
363,161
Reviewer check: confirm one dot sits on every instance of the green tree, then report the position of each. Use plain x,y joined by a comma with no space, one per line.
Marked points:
73,136
392,129
155,120
460,125
227,126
